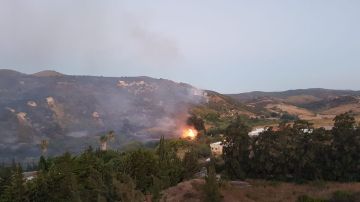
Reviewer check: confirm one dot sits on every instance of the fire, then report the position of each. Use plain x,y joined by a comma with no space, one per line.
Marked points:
189,133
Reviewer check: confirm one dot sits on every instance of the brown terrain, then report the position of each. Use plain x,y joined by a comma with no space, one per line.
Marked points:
318,106
259,191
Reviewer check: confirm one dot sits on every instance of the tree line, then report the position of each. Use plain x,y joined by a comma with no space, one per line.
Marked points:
97,175
294,152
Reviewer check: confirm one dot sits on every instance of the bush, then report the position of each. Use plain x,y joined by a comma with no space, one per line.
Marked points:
211,187
345,196
203,150
305,198
289,117
319,184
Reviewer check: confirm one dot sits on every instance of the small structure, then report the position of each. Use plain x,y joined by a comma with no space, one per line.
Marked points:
28,176
216,148
202,173
32,103
256,131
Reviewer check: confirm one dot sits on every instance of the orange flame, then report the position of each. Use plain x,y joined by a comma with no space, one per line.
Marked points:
189,133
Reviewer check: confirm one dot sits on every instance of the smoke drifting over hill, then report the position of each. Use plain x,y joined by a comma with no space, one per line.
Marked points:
73,111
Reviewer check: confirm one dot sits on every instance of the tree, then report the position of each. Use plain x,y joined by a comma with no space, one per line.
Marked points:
103,142
125,190
344,121
161,151
104,139
15,191
211,187
38,189
62,182
345,148
190,164
43,164
140,165
44,147
170,166
236,149
111,135
156,188
5,177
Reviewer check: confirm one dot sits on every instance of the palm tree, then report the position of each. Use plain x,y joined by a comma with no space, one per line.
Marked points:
103,142
110,136
44,146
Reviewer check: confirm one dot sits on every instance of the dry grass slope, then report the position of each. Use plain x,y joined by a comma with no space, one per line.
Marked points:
260,191
264,191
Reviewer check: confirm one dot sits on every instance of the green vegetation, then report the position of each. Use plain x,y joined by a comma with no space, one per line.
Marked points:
211,187
295,152
344,196
338,196
288,117
101,175
306,198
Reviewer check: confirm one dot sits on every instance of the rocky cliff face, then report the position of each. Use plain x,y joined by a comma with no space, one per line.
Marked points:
73,111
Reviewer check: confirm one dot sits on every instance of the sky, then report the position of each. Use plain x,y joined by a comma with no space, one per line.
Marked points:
226,46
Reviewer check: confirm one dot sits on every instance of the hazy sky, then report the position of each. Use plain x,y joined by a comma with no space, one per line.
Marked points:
227,46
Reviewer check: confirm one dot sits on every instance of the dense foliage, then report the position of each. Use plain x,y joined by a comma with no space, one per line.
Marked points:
291,152
295,152
338,196
211,187
100,175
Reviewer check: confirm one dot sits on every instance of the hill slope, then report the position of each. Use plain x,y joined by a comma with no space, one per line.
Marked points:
73,111
307,104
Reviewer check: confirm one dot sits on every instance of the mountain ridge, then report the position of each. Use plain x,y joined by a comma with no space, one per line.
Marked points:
309,104
73,111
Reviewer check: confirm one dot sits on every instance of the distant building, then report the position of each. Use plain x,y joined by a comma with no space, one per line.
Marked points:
256,131
216,148
28,176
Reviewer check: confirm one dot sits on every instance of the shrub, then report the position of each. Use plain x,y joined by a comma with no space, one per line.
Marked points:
305,198
344,196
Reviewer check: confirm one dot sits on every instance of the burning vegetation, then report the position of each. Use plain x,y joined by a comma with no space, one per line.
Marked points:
189,133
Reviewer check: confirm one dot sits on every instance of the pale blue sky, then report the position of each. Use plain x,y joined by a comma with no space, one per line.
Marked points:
227,46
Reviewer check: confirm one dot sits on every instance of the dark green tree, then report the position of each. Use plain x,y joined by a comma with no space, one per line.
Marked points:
190,164
237,149
345,148
15,190
211,187
140,165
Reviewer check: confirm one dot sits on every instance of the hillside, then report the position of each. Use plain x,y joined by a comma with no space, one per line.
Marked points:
312,92
310,104
72,112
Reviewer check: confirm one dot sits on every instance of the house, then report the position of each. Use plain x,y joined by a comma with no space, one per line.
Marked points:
216,148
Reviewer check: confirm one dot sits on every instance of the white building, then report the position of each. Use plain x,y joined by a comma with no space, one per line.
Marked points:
216,148
28,176
256,131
